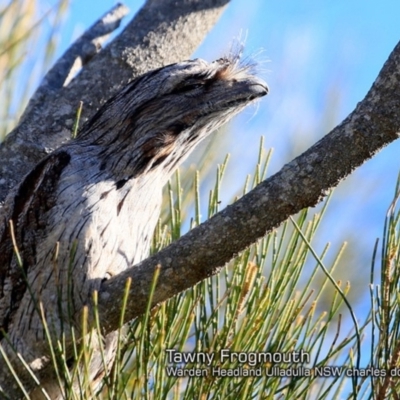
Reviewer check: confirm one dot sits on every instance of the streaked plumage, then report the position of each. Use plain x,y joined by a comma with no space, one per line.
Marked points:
99,196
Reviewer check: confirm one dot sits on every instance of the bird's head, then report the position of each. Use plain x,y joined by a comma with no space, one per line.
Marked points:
157,119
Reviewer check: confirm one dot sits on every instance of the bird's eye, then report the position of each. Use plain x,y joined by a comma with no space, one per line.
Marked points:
187,87
193,86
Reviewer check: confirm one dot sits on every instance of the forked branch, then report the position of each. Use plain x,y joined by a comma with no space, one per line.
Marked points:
302,183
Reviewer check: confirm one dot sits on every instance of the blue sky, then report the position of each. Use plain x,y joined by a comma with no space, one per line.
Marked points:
319,59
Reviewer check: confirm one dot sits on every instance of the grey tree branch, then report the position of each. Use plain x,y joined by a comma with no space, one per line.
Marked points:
163,32
78,55
303,182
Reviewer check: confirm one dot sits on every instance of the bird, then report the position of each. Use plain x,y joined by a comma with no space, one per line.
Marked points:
88,210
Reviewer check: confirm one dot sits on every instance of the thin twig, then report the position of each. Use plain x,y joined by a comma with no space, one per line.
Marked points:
83,50
78,55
